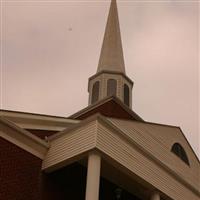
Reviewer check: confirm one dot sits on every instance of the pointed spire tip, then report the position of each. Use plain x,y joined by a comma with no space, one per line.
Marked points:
111,58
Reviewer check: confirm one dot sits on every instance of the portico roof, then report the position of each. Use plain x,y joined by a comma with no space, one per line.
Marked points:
130,144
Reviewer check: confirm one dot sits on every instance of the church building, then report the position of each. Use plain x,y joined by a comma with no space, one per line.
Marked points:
102,152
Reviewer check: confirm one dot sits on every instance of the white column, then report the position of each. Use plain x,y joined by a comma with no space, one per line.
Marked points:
155,196
93,177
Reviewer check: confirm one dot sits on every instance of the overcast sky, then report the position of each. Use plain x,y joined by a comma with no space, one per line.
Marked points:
50,48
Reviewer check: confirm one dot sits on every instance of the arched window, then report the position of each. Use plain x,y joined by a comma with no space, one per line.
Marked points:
111,87
126,95
95,92
180,152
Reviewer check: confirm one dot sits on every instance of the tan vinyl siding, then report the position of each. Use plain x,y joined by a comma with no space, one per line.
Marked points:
70,145
133,146
125,153
158,141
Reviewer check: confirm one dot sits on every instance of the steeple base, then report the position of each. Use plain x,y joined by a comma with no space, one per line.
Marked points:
107,83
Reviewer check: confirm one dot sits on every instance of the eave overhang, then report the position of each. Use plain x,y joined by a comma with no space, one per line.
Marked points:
37,121
23,139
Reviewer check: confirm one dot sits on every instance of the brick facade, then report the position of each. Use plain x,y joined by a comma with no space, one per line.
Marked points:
19,173
21,177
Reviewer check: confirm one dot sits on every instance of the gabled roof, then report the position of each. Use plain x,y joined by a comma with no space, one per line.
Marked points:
110,107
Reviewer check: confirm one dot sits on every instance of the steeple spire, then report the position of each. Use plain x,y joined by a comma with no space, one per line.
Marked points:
111,58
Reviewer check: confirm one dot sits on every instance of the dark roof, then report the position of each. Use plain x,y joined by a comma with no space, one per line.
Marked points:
109,107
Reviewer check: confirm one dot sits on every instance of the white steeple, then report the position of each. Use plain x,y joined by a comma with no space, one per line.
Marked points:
110,79
111,58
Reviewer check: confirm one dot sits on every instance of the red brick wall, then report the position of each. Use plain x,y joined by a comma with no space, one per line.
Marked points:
21,177
19,173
